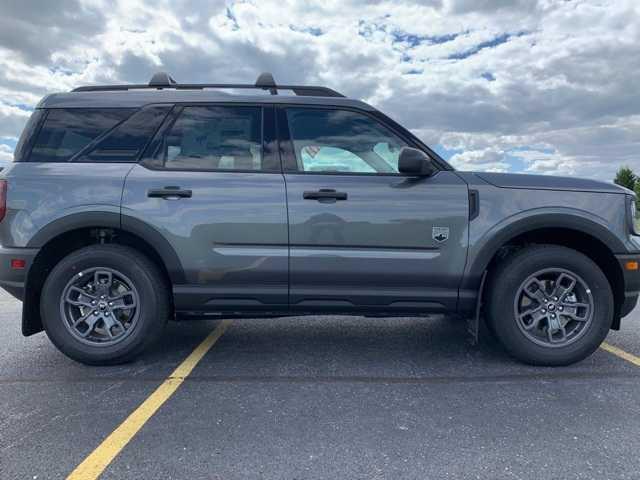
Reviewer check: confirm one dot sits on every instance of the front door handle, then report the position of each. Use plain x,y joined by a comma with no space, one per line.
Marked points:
169,193
325,194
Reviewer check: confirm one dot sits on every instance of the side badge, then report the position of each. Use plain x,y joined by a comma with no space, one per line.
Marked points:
440,234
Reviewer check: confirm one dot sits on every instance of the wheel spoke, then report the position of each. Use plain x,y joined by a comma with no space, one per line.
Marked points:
78,302
551,333
119,302
108,325
90,326
81,319
103,278
537,292
561,288
576,317
80,291
118,323
575,305
536,315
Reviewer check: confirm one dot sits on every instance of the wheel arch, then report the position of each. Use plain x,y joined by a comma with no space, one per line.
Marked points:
61,237
580,233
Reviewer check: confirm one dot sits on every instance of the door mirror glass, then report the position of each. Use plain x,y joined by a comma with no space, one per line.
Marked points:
415,162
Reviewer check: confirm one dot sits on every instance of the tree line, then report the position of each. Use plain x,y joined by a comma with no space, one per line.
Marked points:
625,177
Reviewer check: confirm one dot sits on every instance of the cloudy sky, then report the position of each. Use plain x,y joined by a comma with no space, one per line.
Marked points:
546,86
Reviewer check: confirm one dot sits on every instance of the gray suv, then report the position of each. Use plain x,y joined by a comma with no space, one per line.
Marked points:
129,205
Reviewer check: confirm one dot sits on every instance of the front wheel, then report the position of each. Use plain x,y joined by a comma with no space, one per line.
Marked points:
549,305
104,304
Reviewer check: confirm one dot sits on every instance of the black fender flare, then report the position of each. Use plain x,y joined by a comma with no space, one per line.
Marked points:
124,223
31,321
489,244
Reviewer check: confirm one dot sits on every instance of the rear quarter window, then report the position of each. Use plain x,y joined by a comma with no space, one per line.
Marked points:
126,142
66,132
28,135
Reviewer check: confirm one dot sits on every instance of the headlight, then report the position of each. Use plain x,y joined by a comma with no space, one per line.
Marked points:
633,216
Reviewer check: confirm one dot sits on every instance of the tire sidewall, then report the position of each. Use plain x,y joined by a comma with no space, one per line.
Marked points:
122,260
506,286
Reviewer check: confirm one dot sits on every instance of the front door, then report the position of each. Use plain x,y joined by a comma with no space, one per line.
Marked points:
362,236
212,186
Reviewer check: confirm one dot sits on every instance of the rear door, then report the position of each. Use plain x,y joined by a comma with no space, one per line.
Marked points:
362,236
212,186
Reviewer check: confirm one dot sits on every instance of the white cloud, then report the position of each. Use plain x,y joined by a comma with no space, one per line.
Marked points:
6,155
12,119
488,160
541,86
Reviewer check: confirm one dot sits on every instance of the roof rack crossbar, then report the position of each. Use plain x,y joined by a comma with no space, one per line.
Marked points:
161,79
265,81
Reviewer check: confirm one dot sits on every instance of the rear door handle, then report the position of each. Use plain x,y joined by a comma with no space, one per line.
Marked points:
325,194
169,193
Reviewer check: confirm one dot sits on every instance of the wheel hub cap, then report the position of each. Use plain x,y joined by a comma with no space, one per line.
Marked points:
554,307
99,306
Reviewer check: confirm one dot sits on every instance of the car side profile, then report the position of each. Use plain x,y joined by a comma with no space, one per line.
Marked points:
130,205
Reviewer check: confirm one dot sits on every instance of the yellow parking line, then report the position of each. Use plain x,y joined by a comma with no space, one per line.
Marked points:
93,466
621,353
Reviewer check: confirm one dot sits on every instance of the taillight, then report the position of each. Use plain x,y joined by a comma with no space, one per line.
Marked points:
3,199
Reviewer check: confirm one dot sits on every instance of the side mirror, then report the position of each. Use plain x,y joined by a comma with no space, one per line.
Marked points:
415,163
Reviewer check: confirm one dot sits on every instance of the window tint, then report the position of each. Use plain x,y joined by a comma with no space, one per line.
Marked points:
26,138
126,142
214,138
342,141
67,131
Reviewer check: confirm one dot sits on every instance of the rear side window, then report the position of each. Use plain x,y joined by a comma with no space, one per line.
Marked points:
214,138
67,131
126,142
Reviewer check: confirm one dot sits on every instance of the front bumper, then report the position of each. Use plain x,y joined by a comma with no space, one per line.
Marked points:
13,279
631,283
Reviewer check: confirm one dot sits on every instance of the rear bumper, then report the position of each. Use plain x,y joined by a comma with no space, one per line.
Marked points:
631,283
13,279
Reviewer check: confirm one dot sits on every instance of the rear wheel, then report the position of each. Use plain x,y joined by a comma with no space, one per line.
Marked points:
104,304
549,305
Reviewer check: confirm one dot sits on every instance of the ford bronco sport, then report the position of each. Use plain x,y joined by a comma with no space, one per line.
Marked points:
128,205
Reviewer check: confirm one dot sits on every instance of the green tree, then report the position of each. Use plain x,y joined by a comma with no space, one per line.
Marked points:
626,178
637,190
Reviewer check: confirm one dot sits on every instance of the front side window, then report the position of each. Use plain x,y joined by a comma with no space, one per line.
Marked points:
66,131
214,138
342,141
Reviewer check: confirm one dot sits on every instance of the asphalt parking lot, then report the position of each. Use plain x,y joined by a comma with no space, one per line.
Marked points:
323,398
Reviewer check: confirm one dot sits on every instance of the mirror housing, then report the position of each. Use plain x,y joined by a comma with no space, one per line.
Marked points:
415,163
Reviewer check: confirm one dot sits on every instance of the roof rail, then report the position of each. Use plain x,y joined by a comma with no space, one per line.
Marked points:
265,81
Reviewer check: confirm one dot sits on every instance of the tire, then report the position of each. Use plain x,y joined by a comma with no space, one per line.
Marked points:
120,293
518,318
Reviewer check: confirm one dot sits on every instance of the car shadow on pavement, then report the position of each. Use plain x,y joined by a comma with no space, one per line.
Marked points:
334,348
